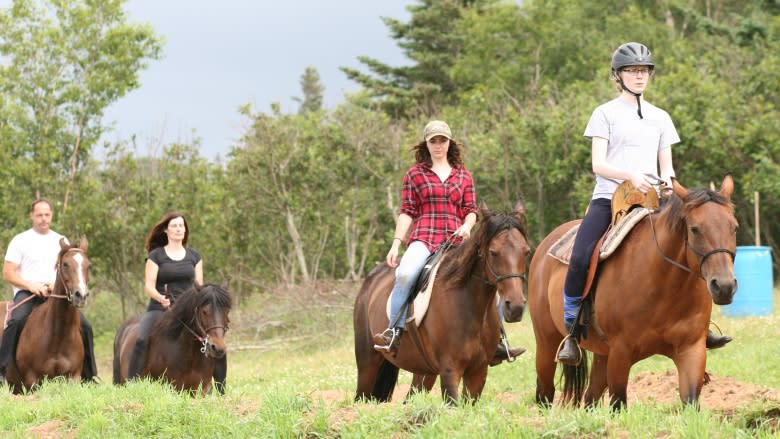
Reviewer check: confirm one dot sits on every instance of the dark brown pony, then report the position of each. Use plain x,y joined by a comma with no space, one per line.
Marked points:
184,343
652,296
452,340
50,344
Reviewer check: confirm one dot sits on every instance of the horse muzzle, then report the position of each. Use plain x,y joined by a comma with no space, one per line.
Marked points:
722,290
215,350
513,312
77,298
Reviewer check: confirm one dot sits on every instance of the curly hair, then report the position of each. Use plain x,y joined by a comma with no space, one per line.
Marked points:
454,154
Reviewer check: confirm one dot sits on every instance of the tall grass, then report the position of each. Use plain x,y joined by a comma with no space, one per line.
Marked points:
298,380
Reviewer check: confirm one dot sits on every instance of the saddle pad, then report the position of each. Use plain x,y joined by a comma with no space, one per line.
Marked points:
618,232
561,249
420,303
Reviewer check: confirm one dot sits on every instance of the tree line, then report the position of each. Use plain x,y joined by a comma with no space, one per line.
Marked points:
314,195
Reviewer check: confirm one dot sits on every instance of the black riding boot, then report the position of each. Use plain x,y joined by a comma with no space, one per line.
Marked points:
716,341
89,369
137,360
505,353
220,375
8,345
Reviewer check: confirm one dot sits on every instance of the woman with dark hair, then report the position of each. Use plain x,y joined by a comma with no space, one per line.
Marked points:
438,201
171,269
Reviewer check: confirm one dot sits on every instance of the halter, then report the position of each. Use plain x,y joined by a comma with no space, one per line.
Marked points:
703,256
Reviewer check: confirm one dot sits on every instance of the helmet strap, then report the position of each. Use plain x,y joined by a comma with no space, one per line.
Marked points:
636,95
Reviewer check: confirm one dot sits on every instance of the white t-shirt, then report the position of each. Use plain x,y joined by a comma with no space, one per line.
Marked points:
633,143
36,256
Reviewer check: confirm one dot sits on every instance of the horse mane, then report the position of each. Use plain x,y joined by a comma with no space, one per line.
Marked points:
460,261
183,309
677,209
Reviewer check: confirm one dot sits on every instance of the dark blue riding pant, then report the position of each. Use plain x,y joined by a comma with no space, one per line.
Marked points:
593,226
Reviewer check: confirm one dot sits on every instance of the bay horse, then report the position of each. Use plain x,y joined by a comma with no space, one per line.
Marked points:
653,295
452,340
50,344
185,342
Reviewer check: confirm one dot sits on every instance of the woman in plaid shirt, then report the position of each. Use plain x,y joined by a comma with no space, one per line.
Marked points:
437,201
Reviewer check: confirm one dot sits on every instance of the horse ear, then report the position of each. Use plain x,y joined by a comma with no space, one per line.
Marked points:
519,209
83,244
64,244
679,189
727,187
225,284
484,212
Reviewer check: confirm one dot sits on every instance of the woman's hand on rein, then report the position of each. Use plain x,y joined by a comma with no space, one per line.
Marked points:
641,182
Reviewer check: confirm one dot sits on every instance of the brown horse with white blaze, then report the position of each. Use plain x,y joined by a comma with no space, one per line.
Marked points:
653,296
451,341
50,344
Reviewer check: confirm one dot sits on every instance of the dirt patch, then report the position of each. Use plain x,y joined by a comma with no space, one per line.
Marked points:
50,429
720,394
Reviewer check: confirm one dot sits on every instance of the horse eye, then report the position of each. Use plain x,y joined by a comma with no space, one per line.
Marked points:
493,254
695,230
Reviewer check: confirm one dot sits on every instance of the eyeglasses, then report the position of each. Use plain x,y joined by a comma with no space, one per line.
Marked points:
637,71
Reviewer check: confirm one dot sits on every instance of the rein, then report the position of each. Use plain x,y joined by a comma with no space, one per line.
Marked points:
703,256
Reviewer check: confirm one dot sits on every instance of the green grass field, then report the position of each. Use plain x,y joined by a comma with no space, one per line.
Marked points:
292,374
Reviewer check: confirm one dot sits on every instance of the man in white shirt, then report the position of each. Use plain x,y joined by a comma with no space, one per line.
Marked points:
29,267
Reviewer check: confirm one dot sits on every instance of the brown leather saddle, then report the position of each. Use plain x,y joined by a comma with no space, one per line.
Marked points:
627,197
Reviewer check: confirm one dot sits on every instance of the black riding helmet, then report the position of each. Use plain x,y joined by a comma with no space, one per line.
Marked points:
631,54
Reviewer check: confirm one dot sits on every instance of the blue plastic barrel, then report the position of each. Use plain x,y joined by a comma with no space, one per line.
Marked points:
753,269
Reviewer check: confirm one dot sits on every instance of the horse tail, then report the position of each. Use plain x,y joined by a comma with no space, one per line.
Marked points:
119,340
385,381
575,379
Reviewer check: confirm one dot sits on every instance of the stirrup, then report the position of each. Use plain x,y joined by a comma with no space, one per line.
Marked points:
389,336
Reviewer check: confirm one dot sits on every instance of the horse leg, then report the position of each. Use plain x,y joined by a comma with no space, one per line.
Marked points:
421,383
473,382
691,364
545,370
598,380
618,368
450,379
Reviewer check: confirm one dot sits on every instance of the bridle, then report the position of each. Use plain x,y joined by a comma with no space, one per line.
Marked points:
702,255
501,277
203,339
68,292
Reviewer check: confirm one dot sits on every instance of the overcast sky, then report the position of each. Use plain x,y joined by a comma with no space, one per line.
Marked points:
220,55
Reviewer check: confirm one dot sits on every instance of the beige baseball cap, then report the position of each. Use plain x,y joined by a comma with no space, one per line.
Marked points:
436,128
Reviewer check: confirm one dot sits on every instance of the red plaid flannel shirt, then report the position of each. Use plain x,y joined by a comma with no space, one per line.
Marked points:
437,208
